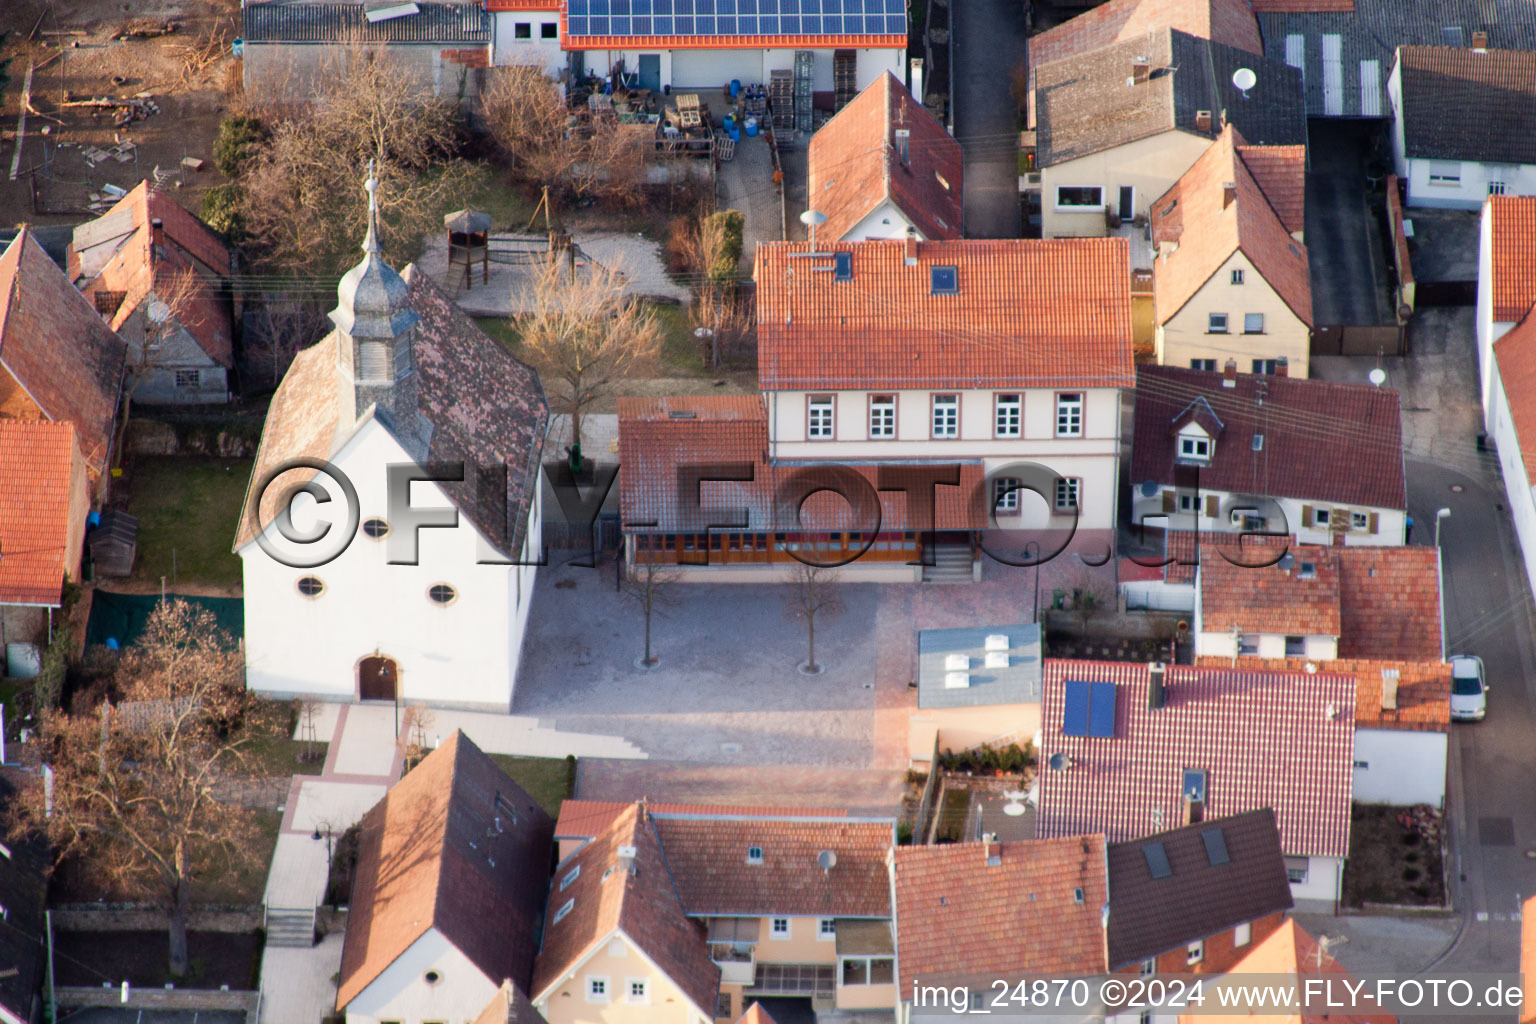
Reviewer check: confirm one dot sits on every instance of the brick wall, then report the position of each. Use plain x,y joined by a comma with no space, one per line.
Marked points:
129,918
163,999
480,58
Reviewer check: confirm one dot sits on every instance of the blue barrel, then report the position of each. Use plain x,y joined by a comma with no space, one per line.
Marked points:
94,519
735,133
112,643
751,125
730,120
735,87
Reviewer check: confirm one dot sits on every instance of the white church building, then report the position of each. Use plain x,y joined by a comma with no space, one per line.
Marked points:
404,379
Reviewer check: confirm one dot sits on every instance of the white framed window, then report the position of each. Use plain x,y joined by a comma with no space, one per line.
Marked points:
1148,968
1237,275
1202,364
1194,448
1067,490
882,416
1216,323
1446,173
310,586
1359,520
1295,647
1495,188
597,989
779,928
375,528
565,908
1069,414
1005,494
1196,952
1296,869
946,416
522,30
1008,415
1079,197
1266,366
1188,503
754,855
1248,646
570,876
826,929
442,594
1321,516
637,991
819,417
549,30
1242,934
189,378
1253,323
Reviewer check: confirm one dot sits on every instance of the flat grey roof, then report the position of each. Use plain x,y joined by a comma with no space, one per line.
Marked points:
1017,684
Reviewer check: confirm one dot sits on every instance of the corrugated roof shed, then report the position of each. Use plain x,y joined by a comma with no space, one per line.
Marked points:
327,21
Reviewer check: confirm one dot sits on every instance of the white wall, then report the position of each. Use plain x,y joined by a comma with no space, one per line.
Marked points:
1322,886
1488,330
1517,485
750,65
1271,645
1390,523
1398,766
1155,595
446,657
884,221
401,993
506,48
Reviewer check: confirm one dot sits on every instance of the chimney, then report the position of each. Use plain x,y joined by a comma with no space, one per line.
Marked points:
157,238
1202,120
1389,678
904,145
627,859
1229,374
1157,696
1141,72
991,850
1282,367
1480,41
1228,193
911,247
916,75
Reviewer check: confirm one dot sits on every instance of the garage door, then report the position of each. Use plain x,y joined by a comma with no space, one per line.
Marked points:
711,69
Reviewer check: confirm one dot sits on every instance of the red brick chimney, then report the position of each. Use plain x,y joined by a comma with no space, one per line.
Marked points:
1229,374
911,247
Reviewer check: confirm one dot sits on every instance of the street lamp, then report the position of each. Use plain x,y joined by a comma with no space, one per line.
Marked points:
1035,545
316,837
1441,514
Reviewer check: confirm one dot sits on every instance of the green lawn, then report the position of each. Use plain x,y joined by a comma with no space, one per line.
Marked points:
499,328
247,884
546,779
497,197
188,509
269,748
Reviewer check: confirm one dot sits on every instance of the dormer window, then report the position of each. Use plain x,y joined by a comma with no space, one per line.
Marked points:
1194,448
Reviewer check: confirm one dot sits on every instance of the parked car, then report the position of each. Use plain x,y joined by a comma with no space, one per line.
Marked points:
1469,688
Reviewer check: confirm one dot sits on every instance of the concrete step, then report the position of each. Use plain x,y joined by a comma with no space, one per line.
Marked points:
291,927
951,564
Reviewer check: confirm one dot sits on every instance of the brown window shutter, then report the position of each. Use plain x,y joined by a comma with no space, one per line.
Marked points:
1373,522
1170,501
1307,516
1212,506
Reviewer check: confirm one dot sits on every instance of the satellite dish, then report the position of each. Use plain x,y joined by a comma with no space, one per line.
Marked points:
826,860
1149,489
1377,376
1058,762
1244,79
810,218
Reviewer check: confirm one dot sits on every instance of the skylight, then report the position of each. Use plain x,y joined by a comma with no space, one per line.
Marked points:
944,280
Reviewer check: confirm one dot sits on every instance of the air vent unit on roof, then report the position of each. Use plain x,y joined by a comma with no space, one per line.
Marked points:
997,642
957,662
682,414
957,680
997,659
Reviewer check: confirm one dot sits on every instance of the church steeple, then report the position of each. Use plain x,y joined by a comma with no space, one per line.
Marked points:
376,325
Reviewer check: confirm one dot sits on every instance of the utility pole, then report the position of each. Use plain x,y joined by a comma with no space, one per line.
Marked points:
53,1005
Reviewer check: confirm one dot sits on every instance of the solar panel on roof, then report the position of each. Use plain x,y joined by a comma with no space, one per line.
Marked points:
1075,719
1157,860
1101,709
1215,847
735,17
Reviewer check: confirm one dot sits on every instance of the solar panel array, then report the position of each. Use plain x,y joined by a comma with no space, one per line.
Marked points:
1089,709
735,17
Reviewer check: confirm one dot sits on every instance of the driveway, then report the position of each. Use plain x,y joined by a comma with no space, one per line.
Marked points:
989,42
746,184
1347,253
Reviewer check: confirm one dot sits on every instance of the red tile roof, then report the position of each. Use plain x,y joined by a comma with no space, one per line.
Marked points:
1515,356
1389,600
1514,256
1303,6
1422,694
62,361
1267,739
755,1015
1290,956
1457,103
1302,422
424,863
959,915
1185,547
707,857
1196,214
1528,959
583,819
637,899
1028,313
1270,599
39,542
854,164
731,432
1281,172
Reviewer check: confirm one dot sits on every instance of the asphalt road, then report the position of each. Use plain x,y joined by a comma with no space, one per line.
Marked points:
988,45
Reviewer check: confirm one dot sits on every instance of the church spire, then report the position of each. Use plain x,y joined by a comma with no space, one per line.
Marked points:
371,239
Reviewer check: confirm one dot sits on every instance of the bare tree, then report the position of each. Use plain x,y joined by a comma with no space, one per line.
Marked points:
578,154
415,728
815,592
132,785
162,315
649,585
308,709
723,317
585,336
300,194
1091,594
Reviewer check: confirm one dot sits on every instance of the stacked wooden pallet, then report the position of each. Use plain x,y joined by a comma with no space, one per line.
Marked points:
805,70
781,97
844,76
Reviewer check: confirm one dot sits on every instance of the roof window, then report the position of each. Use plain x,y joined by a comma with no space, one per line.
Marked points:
944,280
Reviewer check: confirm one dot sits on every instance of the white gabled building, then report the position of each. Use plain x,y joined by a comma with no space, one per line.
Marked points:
405,378
1506,279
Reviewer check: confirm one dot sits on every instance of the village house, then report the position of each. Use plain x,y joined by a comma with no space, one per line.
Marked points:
1246,453
1454,113
45,496
448,895
289,49
1290,956
791,903
884,166
1231,279
1506,280
1136,749
1512,423
1344,49
1116,127
404,378
160,276
975,685
1191,900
